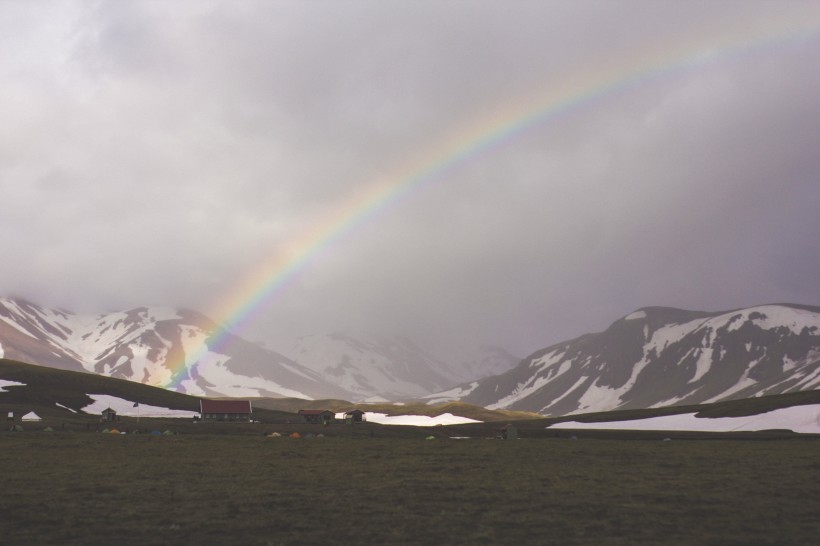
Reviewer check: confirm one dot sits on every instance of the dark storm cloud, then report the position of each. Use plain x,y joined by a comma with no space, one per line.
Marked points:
156,152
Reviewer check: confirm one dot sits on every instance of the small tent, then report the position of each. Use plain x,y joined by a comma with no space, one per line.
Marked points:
16,428
48,429
295,435
31,417
156,433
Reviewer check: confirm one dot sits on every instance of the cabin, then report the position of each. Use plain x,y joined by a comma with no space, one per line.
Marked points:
225,410
322,417
108,415
354,416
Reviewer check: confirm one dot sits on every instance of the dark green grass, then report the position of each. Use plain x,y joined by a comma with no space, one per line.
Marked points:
76,488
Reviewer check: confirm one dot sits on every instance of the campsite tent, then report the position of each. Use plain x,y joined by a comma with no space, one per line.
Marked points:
16,428
31,416
295,435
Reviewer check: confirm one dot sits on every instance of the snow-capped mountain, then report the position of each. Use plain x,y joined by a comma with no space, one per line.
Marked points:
390,367
186,351
484,361
661,356
372,367
179,349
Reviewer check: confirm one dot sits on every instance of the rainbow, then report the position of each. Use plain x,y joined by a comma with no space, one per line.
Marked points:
491,132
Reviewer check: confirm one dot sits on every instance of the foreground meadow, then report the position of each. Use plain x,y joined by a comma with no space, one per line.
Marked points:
76,488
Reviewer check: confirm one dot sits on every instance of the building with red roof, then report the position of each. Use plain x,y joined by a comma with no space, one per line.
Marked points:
225,410
317,416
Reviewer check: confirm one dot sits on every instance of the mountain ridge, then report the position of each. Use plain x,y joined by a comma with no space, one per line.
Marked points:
392,367
155,346
659,356
187,351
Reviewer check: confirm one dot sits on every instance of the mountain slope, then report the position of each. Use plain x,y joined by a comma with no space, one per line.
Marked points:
179,349
660,356
155,346
392,367
388,367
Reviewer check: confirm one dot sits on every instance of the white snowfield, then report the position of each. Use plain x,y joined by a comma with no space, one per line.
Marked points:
212,368
6,383
417,420
126,408
804,419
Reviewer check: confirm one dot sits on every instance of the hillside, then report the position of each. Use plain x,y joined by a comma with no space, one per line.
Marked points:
60,395
660,356
634,424
172,348
186,351
392,367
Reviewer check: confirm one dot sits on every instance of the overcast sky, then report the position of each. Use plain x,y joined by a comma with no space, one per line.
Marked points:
157,153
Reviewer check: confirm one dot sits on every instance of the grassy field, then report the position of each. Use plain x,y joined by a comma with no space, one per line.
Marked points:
86,488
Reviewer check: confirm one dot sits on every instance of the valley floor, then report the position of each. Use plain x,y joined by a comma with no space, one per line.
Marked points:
75,488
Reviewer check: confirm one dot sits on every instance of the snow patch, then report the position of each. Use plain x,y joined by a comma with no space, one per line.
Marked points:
521,391
743,382
569,391
548,360
16,326
417,420
6,383
456,393
672,333
803,419
703,363
126,408
210,367
59,405
636,315
599,398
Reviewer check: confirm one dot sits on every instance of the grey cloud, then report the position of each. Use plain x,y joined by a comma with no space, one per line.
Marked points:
159,152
